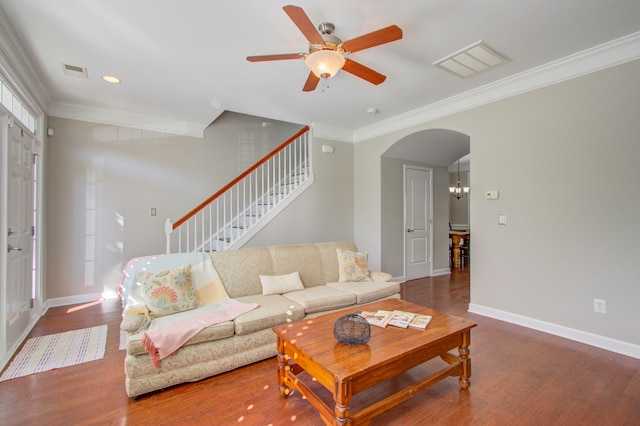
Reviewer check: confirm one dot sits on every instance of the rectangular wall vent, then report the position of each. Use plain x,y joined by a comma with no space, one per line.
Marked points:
75,71
472,60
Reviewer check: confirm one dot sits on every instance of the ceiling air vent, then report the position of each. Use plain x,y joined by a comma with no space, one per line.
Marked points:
472,60
75,71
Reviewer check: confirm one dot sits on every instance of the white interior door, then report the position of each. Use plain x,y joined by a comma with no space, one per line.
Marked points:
19,230
418,220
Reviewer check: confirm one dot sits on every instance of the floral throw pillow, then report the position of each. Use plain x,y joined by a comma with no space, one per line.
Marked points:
352,265
168,292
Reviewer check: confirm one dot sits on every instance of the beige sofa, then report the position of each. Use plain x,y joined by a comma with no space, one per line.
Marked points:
248,338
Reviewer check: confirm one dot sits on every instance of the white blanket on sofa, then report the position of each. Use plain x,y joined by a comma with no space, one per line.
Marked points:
204,278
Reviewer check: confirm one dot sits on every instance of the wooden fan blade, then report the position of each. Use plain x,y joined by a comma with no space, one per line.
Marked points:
375,38
302,21
275,57
311,83
363,72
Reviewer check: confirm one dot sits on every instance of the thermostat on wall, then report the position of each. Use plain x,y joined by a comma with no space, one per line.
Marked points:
491,195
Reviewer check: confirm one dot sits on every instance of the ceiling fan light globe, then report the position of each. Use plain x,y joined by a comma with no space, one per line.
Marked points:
324,63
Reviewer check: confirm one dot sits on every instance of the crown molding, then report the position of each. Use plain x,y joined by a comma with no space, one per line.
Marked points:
126,119
16,69
333,133
616,52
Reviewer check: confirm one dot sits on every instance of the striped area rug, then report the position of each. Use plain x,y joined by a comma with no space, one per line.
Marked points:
58,350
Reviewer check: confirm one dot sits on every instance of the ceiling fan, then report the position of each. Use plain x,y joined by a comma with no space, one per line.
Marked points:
327,53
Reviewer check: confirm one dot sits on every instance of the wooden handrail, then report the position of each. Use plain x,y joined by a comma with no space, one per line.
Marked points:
246,173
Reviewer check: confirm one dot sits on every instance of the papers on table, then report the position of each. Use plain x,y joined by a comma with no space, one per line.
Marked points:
401,319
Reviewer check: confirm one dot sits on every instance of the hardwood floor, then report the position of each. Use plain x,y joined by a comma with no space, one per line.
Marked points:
519,377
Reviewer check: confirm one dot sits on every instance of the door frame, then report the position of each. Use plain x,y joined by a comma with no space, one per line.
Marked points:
429,170
37,252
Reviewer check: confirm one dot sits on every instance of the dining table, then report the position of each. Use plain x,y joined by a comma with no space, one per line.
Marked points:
456,235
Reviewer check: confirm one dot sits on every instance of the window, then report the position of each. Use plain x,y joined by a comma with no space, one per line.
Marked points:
15,106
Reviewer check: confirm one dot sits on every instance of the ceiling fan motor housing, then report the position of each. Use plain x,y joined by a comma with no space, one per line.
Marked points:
331,42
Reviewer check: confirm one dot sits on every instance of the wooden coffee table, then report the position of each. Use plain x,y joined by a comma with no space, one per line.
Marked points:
346,370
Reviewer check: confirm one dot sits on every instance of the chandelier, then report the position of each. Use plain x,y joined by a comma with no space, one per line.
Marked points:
458,191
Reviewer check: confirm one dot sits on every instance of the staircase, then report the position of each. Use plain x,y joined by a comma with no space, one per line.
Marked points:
231,216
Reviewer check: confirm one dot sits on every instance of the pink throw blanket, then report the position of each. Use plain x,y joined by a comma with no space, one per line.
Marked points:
162,342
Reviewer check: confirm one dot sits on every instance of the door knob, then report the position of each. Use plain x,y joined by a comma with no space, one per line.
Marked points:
10,232
12,248
409,230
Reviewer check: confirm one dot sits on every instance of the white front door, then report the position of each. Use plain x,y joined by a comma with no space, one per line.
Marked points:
418,219
19,230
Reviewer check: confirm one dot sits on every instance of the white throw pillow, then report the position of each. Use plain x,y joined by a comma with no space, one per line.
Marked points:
278,284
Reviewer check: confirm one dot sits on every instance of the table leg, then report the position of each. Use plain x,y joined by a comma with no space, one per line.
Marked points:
464,352
342,398
455,241
283,366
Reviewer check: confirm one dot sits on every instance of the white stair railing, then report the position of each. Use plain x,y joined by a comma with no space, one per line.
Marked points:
234,214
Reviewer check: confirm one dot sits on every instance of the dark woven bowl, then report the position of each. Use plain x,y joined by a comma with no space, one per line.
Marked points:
352,329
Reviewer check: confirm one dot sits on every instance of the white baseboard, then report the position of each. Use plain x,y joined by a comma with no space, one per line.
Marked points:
81,298
443,271
613,345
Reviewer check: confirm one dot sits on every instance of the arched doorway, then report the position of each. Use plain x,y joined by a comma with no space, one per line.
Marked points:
433,150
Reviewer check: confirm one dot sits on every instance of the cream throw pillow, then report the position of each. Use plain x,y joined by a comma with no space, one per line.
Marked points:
352,265
278,284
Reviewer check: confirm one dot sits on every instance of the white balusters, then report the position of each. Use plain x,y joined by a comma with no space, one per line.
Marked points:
232,213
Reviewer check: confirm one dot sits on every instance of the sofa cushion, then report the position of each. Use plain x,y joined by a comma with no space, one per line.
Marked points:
329,258
321,298
368,291
273,310
240,269
169,291
278,284
303,258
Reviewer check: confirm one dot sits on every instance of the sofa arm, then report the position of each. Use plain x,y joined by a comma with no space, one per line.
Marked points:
380,276
131,323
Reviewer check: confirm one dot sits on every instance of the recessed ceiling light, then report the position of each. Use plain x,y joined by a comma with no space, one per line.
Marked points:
111,79
472,60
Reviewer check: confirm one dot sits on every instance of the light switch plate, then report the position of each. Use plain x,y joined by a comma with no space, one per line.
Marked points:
502,219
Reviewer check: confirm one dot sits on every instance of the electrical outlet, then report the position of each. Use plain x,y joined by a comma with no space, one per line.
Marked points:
600,306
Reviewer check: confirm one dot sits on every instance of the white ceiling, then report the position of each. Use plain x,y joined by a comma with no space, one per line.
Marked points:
183,62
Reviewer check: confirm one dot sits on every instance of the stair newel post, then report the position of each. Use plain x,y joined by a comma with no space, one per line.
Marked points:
168,229
308,142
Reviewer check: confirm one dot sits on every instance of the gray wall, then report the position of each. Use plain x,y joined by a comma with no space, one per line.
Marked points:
325,211
101,182
564,159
